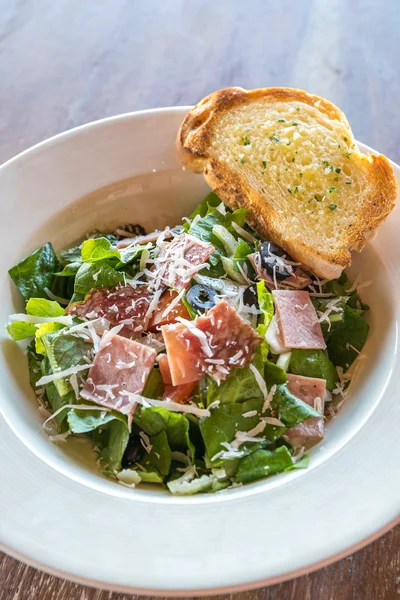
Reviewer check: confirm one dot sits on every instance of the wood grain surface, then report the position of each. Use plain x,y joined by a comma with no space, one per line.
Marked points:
67,62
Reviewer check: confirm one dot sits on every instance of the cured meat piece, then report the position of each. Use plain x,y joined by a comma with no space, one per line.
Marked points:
298,280
164,368
312,391
118,304
180,259
297,320
158,317
214,344
183,362
179,393
121,365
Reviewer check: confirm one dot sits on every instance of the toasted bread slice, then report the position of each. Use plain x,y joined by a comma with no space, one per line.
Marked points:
291,159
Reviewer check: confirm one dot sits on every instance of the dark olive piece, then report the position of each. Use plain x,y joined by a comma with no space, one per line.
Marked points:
250,297
269,252
133,453
201,297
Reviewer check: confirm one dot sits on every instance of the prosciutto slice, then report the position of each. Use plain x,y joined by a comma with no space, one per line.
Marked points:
312,391
213,344
122,365
119,304
179,260
298,320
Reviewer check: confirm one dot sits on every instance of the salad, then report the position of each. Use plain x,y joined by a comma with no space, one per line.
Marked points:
198,358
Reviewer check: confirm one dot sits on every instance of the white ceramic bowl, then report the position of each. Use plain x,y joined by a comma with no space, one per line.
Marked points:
59,514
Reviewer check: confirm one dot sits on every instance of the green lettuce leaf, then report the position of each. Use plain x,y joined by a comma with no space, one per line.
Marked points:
262,463
96,275
64,351
113,441
35,273
153,420
347,338
38,307
19,330
265,302
97,249
44,329
70,270
34,365
273,374
313,363
210,202
291,410
41,307
55,399
154,387
86,421
226,420
159,457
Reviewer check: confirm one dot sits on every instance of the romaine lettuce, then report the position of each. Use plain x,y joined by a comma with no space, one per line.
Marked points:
262,463
35,273
313,363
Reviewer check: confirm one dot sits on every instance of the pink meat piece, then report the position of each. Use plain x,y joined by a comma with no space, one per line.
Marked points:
216,343
122,365
176,260
184,365
312,391
297,280
298,320
120,303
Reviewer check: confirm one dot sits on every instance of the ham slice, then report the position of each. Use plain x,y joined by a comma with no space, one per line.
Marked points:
158,317
184,364
213,344
120,303
312,391
122,365
164,369
177,393
298,320
180,259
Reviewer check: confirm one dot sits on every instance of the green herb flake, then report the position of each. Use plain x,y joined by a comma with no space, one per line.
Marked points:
281,120
345,138
288,144
246,141
325,163
300,174
297,108
294,123
242,161
332,190
348,182
347,154
273,138
293,159
296,189
264,164
338,170
332,206
289,190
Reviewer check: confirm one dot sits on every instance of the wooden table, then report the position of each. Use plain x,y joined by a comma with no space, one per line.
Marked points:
67,62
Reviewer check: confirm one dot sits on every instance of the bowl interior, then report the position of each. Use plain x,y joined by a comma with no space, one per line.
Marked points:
125,171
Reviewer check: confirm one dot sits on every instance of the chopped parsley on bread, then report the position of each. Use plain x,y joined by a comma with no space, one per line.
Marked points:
291,160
